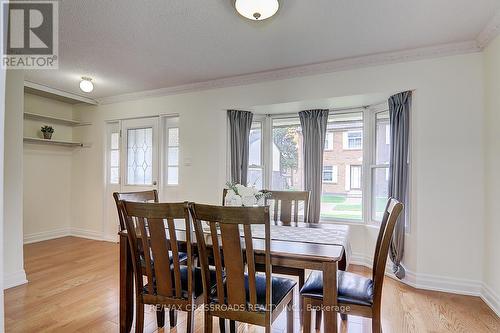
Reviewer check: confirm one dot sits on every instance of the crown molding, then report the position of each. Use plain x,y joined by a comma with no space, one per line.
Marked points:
490,32
306,70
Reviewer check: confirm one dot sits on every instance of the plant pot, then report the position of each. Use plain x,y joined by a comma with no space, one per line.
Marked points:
47,135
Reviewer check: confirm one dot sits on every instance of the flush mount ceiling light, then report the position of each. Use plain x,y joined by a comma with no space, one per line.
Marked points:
86,84
257,10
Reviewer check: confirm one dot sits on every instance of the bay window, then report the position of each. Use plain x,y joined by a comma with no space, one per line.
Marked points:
355,161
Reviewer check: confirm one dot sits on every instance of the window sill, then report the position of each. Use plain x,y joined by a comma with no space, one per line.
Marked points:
351,222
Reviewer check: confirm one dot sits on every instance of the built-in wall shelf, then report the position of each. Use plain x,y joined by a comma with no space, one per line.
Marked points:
53,142
49,119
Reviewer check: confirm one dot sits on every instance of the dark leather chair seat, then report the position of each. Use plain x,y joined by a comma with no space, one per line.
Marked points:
279,286
352,288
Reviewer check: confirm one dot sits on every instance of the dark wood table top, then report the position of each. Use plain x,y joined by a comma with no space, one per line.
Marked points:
289,250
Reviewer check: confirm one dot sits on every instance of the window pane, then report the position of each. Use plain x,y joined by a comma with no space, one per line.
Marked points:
382,138
255,144
114,175
173,156
115,158
115,140
287,169
173,137
339,199
173,175
380,192
255,176
139,156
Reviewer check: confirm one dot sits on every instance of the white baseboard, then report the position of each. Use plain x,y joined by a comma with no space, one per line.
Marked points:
83,233
46,235
491,298
64,232
439,283
14,279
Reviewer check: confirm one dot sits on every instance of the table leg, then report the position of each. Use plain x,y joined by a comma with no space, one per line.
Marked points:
126,286
330,296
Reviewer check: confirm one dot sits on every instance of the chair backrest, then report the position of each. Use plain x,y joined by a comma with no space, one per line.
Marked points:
391,214
144,196
231,253
285,205
153,241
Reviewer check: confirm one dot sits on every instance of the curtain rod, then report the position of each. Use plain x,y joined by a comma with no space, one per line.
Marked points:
329,110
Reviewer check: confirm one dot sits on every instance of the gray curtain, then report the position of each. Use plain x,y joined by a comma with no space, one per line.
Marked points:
313,123
240,123
399,115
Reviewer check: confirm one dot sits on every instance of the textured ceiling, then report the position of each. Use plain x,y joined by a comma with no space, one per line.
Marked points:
130,45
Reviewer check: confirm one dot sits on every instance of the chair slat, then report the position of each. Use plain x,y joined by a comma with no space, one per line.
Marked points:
286,210
175,257
160,250
231,249
296,211
218,263
146,252
250,265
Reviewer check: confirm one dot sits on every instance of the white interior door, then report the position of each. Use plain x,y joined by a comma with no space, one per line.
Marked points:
131,164
140,163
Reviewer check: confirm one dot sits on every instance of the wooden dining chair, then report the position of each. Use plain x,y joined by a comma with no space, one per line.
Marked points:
145,196
241,294
285,211
361,295
152,235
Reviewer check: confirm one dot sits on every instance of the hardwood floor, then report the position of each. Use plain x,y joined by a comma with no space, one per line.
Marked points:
74,288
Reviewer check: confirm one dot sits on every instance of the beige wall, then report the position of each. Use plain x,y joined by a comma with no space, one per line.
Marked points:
492,172
47,173
447,119
13,180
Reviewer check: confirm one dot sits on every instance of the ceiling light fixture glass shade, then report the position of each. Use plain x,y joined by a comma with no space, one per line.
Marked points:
257,10
86,84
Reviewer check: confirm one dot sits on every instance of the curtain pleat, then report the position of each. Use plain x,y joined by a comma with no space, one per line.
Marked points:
240,123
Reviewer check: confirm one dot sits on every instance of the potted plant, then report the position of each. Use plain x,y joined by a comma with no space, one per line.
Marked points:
47,132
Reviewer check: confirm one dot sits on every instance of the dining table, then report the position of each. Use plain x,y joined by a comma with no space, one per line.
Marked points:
296,245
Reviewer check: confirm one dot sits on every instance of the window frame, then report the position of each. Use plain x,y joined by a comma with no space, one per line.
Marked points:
167,122
262,166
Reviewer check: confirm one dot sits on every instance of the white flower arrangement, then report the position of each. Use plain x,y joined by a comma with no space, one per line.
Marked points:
239,195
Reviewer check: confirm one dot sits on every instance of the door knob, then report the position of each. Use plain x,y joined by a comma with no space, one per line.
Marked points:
154,182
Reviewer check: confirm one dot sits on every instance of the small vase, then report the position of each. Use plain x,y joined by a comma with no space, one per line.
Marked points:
47,135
